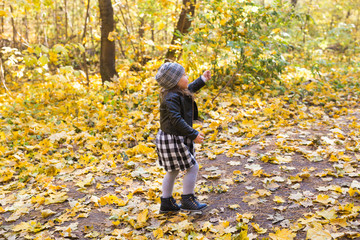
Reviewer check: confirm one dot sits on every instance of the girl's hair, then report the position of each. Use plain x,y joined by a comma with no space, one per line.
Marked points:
185,92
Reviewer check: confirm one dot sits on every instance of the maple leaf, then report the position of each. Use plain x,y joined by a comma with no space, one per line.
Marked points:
263,192
329,214
23,226
142,218
47,212
158,233
282,234
318,233
353,191
234,206
296,196
57,197
278,199
324,199
258,229
38,199
85,182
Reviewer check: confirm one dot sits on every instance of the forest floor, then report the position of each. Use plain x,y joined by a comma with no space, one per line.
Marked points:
278,193
284,193
81,163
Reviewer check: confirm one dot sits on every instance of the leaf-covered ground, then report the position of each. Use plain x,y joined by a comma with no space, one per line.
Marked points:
81,163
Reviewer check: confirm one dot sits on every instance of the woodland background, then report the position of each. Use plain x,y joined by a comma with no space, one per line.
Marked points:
79,114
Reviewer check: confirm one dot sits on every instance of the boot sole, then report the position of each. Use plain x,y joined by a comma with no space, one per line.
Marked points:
169,212
194,211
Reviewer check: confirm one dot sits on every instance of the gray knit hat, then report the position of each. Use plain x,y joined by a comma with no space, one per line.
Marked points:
169,74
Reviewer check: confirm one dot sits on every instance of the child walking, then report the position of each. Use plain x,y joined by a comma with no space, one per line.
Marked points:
176,137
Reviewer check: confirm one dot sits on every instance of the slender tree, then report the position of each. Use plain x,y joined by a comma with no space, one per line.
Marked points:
56,22
66,20
183,25
84,42
26,26
13,27
2,18
107,52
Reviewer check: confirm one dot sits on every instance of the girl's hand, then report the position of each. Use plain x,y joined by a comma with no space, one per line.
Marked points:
199,138
206,75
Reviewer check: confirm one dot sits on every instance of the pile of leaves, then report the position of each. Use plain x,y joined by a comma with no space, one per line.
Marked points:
80,162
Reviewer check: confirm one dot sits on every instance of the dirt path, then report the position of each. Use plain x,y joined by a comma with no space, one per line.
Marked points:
304,178
296,166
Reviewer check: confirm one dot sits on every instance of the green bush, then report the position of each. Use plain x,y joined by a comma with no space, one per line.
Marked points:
241,40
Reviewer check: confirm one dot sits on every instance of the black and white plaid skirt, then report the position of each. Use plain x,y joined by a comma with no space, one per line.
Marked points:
175,152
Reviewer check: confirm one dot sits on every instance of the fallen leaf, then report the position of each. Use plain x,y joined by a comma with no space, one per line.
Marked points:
57,197
278,199
282,234
258,229
47,212
318,233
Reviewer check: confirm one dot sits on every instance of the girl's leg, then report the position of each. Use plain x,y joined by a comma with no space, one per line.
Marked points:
190,179
188,200
168,184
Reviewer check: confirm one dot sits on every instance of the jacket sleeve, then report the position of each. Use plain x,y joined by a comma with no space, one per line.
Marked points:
196,85
174,109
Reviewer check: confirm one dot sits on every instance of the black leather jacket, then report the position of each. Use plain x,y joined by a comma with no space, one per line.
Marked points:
177,112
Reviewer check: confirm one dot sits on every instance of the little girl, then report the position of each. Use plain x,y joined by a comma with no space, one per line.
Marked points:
176,137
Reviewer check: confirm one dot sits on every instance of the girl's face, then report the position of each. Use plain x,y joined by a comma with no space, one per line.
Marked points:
183,83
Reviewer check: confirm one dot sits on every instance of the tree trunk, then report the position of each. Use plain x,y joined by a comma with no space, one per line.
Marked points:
141,37
84,43
294,2
72,20
26,27
182,26
56,23
13,27
153,34
107,52
2,18
66,20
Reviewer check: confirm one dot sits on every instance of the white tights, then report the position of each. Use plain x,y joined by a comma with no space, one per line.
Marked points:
188,182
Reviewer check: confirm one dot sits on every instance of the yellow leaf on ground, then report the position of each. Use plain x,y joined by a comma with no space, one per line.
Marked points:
85,182
143,216
57,197
258,173
282,234
47,212
234,206
158,233
353,191
23,226
339,221
245,218
263,192
318,233
324,199
258,229
278,199
17,214
139,149
328,214
280,159
207,226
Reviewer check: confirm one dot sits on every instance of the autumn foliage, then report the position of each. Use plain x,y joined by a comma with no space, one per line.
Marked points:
281,153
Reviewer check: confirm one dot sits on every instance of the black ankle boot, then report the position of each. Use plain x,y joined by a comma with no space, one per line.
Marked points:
169,205
189,203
